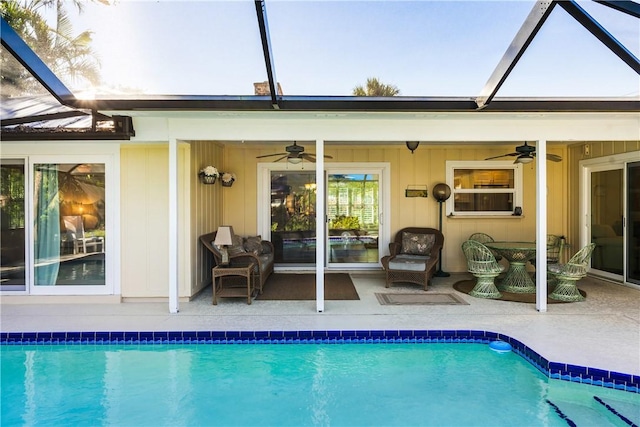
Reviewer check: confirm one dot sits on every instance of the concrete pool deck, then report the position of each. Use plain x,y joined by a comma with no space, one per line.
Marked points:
602,332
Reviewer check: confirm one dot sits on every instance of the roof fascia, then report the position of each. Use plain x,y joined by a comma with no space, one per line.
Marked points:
27,57
628,7
527,32
580,15
361,104
261,12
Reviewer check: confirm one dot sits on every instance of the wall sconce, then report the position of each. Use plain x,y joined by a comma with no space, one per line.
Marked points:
412,145
224,238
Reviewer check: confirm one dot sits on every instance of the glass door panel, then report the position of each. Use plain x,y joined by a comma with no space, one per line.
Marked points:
606,221
352,218
633,223
12,230
69,224
293,217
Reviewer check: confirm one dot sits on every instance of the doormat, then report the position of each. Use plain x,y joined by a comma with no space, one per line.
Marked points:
420,299
293,287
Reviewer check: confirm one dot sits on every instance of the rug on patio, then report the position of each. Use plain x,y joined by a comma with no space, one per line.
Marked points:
420,299
290,287
466,286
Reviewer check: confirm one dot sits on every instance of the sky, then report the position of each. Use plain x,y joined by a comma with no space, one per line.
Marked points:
425,48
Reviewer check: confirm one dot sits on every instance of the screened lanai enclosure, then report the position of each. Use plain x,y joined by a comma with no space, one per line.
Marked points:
110,108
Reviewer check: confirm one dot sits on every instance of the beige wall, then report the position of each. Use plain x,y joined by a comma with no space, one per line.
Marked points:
145,217
204,207
426,166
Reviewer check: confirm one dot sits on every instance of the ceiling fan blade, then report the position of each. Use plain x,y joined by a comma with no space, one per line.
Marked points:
308,157
554,157
274,154
504,155
283,157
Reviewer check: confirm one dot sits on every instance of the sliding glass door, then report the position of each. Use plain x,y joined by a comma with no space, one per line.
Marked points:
612,213
353,212
12,230
633,223
69,224
355,202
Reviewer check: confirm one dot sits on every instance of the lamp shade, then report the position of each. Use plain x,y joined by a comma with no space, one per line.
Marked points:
524,159
224,236
441,192
412,145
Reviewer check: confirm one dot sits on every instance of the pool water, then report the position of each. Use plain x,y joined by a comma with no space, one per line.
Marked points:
294,385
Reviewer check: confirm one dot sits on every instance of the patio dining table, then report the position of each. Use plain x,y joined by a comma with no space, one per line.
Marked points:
517,280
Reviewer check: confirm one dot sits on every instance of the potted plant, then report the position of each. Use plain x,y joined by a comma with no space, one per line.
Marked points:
227,179
208,175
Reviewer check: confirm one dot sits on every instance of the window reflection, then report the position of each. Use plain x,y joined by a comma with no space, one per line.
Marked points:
69,224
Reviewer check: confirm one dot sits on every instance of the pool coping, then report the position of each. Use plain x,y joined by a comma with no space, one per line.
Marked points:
552,370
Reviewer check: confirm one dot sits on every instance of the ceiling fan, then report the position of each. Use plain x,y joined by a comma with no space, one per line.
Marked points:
525,154
294,154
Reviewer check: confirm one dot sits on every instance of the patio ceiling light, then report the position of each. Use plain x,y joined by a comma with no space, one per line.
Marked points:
412,145
524,159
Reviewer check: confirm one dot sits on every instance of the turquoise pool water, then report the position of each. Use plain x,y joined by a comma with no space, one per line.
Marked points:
294,385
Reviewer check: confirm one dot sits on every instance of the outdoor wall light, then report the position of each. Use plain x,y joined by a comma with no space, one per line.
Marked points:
412,145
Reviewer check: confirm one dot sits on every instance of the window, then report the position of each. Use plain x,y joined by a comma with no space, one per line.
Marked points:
484,188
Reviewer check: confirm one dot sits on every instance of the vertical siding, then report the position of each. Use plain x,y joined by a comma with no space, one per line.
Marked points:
425,167
144,213
145,219
205,211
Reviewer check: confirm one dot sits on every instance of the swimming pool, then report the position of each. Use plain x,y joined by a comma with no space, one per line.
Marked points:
395,378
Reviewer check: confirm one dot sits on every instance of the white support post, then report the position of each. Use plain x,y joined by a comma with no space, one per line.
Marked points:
320,225
541,225
173,226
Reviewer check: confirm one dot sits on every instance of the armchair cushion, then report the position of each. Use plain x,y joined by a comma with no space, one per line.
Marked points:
417,244
408,262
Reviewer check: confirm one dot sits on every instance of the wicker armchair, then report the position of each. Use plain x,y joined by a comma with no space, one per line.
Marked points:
403,266
555,246
263,261
483,265
566,276
484,238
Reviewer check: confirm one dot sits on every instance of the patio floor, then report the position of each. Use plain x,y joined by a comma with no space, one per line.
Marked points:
601,332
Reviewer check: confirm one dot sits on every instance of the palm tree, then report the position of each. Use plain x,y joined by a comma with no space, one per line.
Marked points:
376,88
68,56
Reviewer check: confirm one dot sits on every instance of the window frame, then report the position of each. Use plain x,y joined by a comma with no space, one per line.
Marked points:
517,190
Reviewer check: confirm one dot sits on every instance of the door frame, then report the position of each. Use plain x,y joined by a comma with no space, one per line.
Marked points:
263,225
601,164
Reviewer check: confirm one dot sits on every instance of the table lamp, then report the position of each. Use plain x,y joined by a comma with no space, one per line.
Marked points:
224,238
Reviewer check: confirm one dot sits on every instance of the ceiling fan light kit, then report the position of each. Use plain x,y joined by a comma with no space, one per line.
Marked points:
294,154
524,159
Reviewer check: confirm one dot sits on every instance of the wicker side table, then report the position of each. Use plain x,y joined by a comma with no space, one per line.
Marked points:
234,289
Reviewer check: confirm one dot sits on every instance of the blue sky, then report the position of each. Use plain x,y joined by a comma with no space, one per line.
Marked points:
425,48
